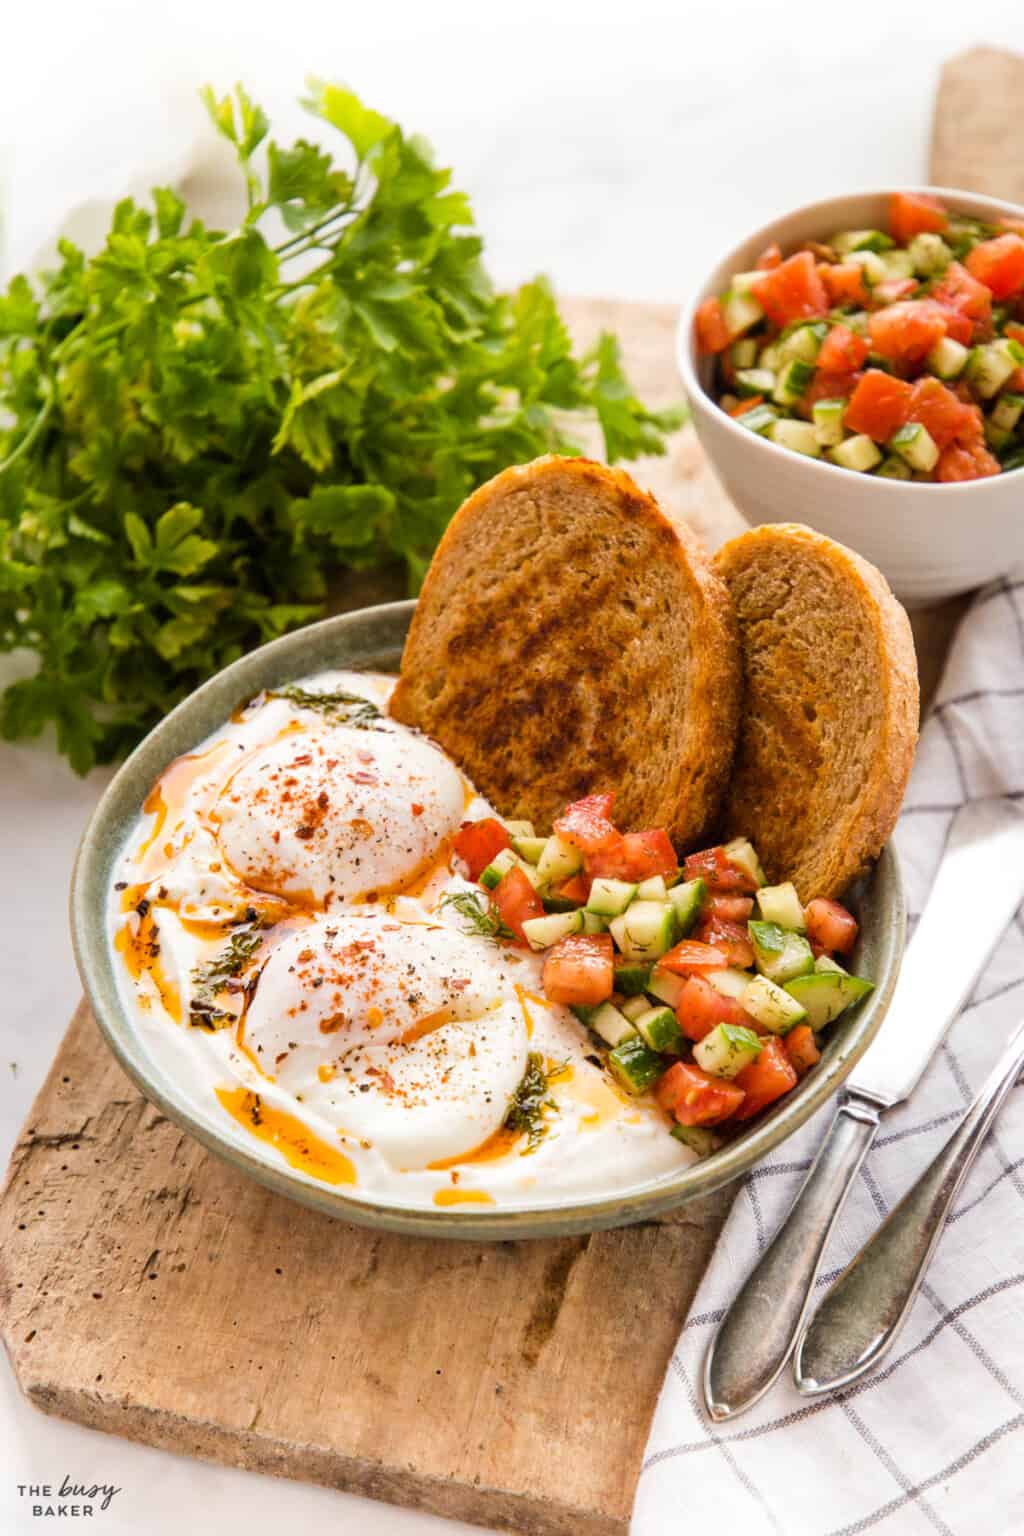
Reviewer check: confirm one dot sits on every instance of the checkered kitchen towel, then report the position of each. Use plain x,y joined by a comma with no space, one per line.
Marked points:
934,1440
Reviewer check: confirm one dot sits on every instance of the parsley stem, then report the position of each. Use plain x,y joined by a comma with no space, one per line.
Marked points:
285,248
30,436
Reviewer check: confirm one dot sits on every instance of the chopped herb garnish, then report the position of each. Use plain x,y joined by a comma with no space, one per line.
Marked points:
526,1107
482,920
210,979
340,707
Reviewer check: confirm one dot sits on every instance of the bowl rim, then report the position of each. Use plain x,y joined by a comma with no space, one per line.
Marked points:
96,855
699,398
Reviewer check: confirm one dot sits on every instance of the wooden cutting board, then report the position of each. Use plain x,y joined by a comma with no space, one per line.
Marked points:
149,1290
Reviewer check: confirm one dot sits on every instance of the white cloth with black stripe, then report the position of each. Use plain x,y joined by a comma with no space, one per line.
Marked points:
934,1440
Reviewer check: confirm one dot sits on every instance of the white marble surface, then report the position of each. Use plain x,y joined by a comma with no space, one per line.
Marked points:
614,148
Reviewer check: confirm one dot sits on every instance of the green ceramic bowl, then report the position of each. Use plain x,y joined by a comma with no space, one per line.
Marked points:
371,640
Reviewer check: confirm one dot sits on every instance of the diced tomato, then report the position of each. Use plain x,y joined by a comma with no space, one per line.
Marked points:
1015,383
577,889
636,856
961,293
842,351
915,213
696,1098
960,462
701,1006
580,970
879,405
792,291
712,331
587,823
732,937
828,386
769,1076
844,282
690,956
892,290
999,264
721,904
477,842
716,869
743,406
939,411
830,925
769,259
1014,331
801,1048
905,333
516,900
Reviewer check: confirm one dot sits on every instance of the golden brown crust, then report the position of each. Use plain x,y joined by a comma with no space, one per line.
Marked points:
570,638
830,709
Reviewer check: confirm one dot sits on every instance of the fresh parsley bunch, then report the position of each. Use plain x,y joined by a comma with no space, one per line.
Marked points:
199,429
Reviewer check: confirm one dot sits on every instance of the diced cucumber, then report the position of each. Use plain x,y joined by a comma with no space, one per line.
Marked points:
915,444
594,923
610,897
741,852
772,1006
653,889
635,1065
996,437
898,264
633,1007
758,420
848,240
559,861
856,321
740,311
529,848
699,1138
989,367
585,1013
645,930
498,868
660,1028
771,357
1006,412
893,468
929,255
948,358
743,354
519,829
755,381
802,344
828,421
559,904
858,453
780,904
798,436
666,986
871,264
826,963
687,898
726,1050
632,980
532,874
542,932
611,1024
729,981
780,955
825,995
792,382
743,282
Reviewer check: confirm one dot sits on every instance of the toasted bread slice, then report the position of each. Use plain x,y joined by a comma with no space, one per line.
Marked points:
830,706
571,639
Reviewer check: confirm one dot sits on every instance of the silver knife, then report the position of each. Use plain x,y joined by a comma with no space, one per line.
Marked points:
979,885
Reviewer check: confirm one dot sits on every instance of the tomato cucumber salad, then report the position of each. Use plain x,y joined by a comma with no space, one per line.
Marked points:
700,983
896,352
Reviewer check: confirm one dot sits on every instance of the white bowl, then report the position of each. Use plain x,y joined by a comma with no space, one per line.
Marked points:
931,541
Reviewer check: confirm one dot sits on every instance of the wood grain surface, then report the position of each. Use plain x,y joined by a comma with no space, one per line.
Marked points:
150,1291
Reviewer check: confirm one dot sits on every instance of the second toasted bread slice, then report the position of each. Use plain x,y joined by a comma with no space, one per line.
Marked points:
571,639
830,706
